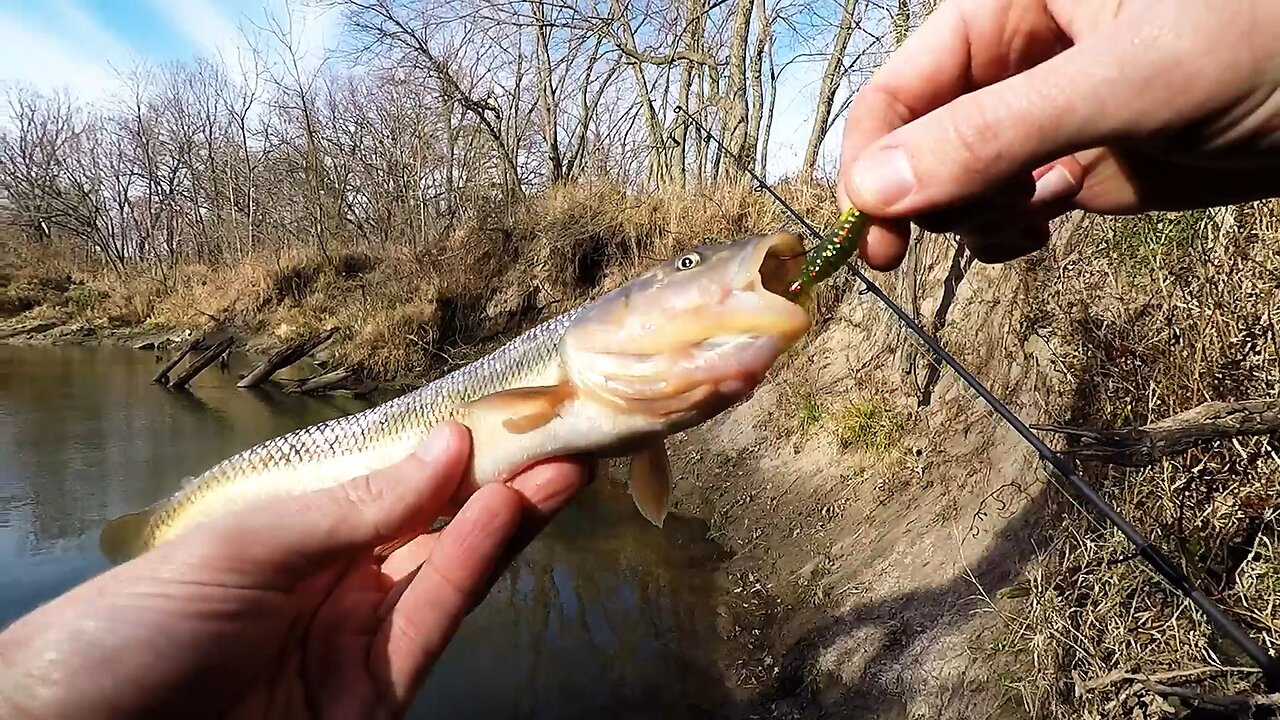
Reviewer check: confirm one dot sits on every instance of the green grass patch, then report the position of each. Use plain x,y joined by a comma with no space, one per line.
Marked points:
809,411
1141,244
868,426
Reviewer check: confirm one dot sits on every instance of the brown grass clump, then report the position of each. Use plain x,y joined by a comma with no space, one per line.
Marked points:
30,278
1166,311
417,310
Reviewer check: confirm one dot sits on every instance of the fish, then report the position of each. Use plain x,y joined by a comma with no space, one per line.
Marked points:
613,378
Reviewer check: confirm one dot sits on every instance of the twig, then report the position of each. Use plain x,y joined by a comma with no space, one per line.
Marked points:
1199,673
1142,446
1223,702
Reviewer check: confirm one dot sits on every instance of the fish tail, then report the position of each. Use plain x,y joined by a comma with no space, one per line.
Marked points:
123,538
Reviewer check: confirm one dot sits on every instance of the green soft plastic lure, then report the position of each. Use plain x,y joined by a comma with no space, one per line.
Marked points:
823,260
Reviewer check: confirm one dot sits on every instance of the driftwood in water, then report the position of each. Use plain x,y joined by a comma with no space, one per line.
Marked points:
162,377
197,343
284,357
344,381
1142,446
325,381
202,362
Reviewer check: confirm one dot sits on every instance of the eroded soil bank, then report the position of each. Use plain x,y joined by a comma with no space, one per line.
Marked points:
882,531
846,508
899,552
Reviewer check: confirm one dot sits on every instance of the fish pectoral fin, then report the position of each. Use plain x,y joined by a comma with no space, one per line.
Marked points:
122,538
650,482
524,409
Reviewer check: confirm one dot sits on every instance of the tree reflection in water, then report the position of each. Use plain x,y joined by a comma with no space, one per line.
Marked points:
603,614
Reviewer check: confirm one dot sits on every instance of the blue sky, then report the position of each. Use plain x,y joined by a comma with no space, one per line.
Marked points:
82,45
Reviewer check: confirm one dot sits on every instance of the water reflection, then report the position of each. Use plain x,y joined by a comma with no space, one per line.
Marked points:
608,617
603,613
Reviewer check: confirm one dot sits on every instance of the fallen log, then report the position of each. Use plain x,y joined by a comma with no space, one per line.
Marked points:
32,328
1142,446
321,382
202,362
284,357
162,377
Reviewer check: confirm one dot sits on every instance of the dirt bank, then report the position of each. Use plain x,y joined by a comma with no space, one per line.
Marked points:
876,524
910,556
898,551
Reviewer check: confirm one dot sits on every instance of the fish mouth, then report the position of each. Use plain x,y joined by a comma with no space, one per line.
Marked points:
691,345
771,263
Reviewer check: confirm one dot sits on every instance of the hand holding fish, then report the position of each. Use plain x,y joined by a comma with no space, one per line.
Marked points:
281,609
997,116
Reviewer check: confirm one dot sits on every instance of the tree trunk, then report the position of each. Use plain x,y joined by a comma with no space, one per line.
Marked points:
699,142
764,31
199,364
284,357
695,28
735,96
162,376
548,103
768,116
831,78
1201,425
656,172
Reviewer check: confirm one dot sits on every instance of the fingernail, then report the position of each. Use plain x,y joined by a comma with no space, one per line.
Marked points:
431,448
885,177
1054,185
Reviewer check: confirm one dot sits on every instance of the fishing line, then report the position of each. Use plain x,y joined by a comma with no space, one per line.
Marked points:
1144,548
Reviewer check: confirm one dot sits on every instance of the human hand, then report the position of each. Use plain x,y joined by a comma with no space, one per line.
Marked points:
281,610
997,116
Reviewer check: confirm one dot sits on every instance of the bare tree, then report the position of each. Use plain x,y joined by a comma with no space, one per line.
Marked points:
452,113
832,76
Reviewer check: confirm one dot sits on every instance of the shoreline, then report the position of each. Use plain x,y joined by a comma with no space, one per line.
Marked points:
748,609
168,338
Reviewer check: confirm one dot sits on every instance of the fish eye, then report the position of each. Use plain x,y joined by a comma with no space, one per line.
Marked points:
688,261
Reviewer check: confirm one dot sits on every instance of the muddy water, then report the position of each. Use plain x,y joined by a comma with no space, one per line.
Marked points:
603,614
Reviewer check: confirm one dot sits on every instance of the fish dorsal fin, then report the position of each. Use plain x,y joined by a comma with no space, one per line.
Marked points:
650,481
523,409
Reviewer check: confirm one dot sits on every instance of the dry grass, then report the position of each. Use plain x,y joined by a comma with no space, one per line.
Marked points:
1151,315
1162,312
30,279
869,426
414,311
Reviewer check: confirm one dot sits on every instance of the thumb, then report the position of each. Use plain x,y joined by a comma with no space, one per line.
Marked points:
280,542
1084,97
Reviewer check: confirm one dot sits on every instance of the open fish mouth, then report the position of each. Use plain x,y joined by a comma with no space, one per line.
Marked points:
672,339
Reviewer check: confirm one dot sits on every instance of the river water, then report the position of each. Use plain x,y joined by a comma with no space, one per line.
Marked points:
602,615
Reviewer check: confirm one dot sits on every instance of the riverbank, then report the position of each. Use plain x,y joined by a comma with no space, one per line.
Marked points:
897,551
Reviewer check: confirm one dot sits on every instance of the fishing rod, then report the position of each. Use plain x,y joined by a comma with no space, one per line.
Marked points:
1145,549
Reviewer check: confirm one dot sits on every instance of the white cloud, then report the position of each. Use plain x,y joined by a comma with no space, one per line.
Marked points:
209,31
88,33
315,29
219,31
82,59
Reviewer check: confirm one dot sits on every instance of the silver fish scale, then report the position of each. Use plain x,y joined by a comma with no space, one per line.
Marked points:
415,412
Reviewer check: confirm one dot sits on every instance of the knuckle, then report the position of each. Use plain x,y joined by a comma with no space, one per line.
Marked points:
363,499
975,131
362,491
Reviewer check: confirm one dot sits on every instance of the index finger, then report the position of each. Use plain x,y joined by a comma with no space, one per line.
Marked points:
444,590
963,45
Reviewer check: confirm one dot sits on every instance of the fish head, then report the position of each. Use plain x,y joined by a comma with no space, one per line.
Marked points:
692,336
